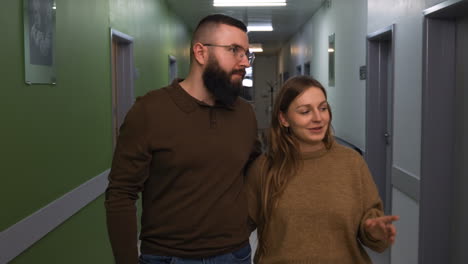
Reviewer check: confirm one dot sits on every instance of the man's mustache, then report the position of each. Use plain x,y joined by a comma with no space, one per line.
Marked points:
240,71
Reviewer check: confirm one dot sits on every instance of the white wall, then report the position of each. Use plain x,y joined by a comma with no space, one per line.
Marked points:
347,19
430,3
407,15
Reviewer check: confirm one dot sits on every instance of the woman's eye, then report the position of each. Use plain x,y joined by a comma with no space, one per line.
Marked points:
323,109
304,112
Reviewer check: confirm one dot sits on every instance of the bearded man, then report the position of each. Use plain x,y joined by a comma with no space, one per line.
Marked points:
185,147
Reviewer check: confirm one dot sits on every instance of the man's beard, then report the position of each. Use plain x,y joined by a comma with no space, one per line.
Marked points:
219,84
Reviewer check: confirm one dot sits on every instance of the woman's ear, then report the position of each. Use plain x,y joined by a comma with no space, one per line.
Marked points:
283,120
199,53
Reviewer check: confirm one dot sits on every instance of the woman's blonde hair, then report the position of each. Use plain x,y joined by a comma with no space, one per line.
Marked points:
282,158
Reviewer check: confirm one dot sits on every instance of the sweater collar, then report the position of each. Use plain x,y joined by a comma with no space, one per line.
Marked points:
314,154
187,103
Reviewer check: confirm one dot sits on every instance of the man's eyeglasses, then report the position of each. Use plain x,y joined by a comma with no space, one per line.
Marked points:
238,51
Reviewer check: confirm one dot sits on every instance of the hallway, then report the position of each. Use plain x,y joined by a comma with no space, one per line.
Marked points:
395,73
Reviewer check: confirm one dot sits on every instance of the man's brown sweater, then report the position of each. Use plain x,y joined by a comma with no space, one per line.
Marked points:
188,159
320,215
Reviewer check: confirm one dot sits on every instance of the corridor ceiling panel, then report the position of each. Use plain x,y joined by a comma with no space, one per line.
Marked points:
286,20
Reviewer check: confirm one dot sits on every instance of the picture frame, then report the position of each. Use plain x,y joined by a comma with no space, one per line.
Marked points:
39,41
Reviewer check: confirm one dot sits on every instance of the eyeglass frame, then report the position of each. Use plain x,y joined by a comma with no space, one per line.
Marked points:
250,55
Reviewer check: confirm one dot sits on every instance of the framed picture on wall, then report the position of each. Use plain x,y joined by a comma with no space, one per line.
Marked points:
39,41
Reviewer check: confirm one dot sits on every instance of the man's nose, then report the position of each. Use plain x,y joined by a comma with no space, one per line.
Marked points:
245,61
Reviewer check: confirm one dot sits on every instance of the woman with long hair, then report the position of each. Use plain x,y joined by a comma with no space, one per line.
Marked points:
312,200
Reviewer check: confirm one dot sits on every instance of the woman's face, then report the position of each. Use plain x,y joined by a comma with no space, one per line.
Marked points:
308,118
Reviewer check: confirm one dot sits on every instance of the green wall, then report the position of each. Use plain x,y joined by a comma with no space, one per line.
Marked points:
54,138
157,34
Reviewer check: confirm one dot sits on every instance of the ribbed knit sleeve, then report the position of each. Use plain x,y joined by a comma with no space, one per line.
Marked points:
126,179
372,208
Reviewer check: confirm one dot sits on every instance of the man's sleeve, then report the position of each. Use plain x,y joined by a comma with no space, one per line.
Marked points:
257,144
254,193
126,179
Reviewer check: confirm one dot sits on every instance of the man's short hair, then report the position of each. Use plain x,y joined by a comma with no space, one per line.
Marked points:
208,23
221,19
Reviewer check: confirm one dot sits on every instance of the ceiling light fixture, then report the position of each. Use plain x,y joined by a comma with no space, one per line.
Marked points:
256,50
249,2
259,28
255,47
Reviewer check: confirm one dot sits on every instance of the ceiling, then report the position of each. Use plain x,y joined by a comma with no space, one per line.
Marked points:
286,21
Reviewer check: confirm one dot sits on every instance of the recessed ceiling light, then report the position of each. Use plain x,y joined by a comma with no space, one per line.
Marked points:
255,47
249,2
259,28
256,50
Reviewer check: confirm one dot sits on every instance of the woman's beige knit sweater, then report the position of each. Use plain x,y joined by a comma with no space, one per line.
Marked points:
320,216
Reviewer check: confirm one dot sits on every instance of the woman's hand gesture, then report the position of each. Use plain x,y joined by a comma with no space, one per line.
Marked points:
382,228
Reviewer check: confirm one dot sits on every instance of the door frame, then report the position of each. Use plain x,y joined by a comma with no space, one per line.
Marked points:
437,145
122,66
375,139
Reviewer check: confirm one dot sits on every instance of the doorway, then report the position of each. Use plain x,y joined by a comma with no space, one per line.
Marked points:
122,79
299,70
443,212
379,117
379,111
307,69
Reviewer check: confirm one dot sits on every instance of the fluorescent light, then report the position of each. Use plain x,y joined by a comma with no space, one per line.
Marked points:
247,83
260,28
249,2
255,47
257,50
331,50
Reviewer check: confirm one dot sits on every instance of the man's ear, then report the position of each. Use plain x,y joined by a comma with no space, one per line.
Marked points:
199,53
282,119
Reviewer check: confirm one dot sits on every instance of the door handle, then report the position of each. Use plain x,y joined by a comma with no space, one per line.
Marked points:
387,138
